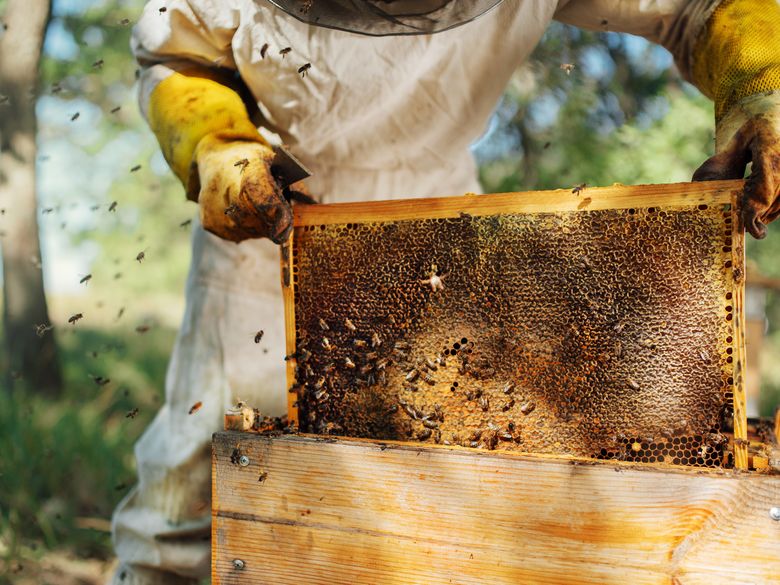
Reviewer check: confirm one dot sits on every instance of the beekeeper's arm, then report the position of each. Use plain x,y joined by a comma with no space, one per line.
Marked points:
192,98
730,50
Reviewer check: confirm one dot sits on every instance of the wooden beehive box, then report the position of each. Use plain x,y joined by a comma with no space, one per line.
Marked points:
621,322
603,323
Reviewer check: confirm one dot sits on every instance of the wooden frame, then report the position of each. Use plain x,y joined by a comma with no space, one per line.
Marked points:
615,197
310,510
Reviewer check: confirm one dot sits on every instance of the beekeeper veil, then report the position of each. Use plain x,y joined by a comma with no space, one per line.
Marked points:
387,17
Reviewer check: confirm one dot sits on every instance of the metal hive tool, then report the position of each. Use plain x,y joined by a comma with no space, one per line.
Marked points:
603,324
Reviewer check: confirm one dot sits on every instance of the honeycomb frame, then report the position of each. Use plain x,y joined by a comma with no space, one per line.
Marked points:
429,361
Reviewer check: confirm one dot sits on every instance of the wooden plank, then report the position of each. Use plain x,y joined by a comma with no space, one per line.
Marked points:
288,296
325,512
740,397
591,198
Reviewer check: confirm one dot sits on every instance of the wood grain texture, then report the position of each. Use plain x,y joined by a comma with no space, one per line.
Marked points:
288,296
740,395
590,198
349,511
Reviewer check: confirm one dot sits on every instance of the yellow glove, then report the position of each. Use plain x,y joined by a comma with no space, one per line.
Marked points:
206,136
736,61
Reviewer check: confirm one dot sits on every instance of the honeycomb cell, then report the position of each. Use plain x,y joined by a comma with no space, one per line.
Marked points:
610,328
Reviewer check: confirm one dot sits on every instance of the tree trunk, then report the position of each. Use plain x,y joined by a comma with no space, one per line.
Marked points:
31,356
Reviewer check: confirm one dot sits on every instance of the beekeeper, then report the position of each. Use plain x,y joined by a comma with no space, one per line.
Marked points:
377,106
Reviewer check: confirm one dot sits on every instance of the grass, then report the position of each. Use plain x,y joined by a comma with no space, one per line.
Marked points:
67,462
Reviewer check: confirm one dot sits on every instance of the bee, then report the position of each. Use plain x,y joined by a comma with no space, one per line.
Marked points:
131,413
507,405
195,407
411,375
303,69
120,313
303,355
371,355
85,279
425,434
704,356
329,367
263,50
185,223
115,110
382,364
349,363
401,345
135,168
427,378
100,380
243,163
409,410
411,387
76,317
259,336
321,394
633,384
376,341
40,330
429,423
163,10
434,279
359,343
431,364
366,369
527,408
140,257
350,325
327,344
323,325
231,210
509,388
464,215
505,436
567,67
284,51
263,476
142,329
97,64
112,207
319,383
47,210
484,403
75,117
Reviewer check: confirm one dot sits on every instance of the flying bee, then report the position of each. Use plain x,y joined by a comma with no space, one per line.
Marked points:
243,163
140,257
163,10
507,405
411,375
358,343
303,69
98,64
567,67
85,279
259,336
427,378
284,51
135,168
509,388
376,341
131,413
349,363
112,207
327,344
350,325
76,317
527,408
484,403
142,329
195,407
323,325
263,50
75,117
185,223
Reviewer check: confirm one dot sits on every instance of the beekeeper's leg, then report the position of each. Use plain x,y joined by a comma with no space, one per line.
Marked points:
161,529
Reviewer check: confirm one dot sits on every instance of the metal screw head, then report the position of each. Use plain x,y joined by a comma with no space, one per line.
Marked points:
774,513
243,461
238,564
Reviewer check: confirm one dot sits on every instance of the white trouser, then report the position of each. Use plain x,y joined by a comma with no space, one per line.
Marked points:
161,528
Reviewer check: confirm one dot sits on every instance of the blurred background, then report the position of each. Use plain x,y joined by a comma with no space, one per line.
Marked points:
113,226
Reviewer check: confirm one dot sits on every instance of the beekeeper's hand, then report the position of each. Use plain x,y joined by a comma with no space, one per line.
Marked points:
736,61
205,133
750,132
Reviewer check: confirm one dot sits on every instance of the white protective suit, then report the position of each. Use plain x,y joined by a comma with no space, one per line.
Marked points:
375,118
